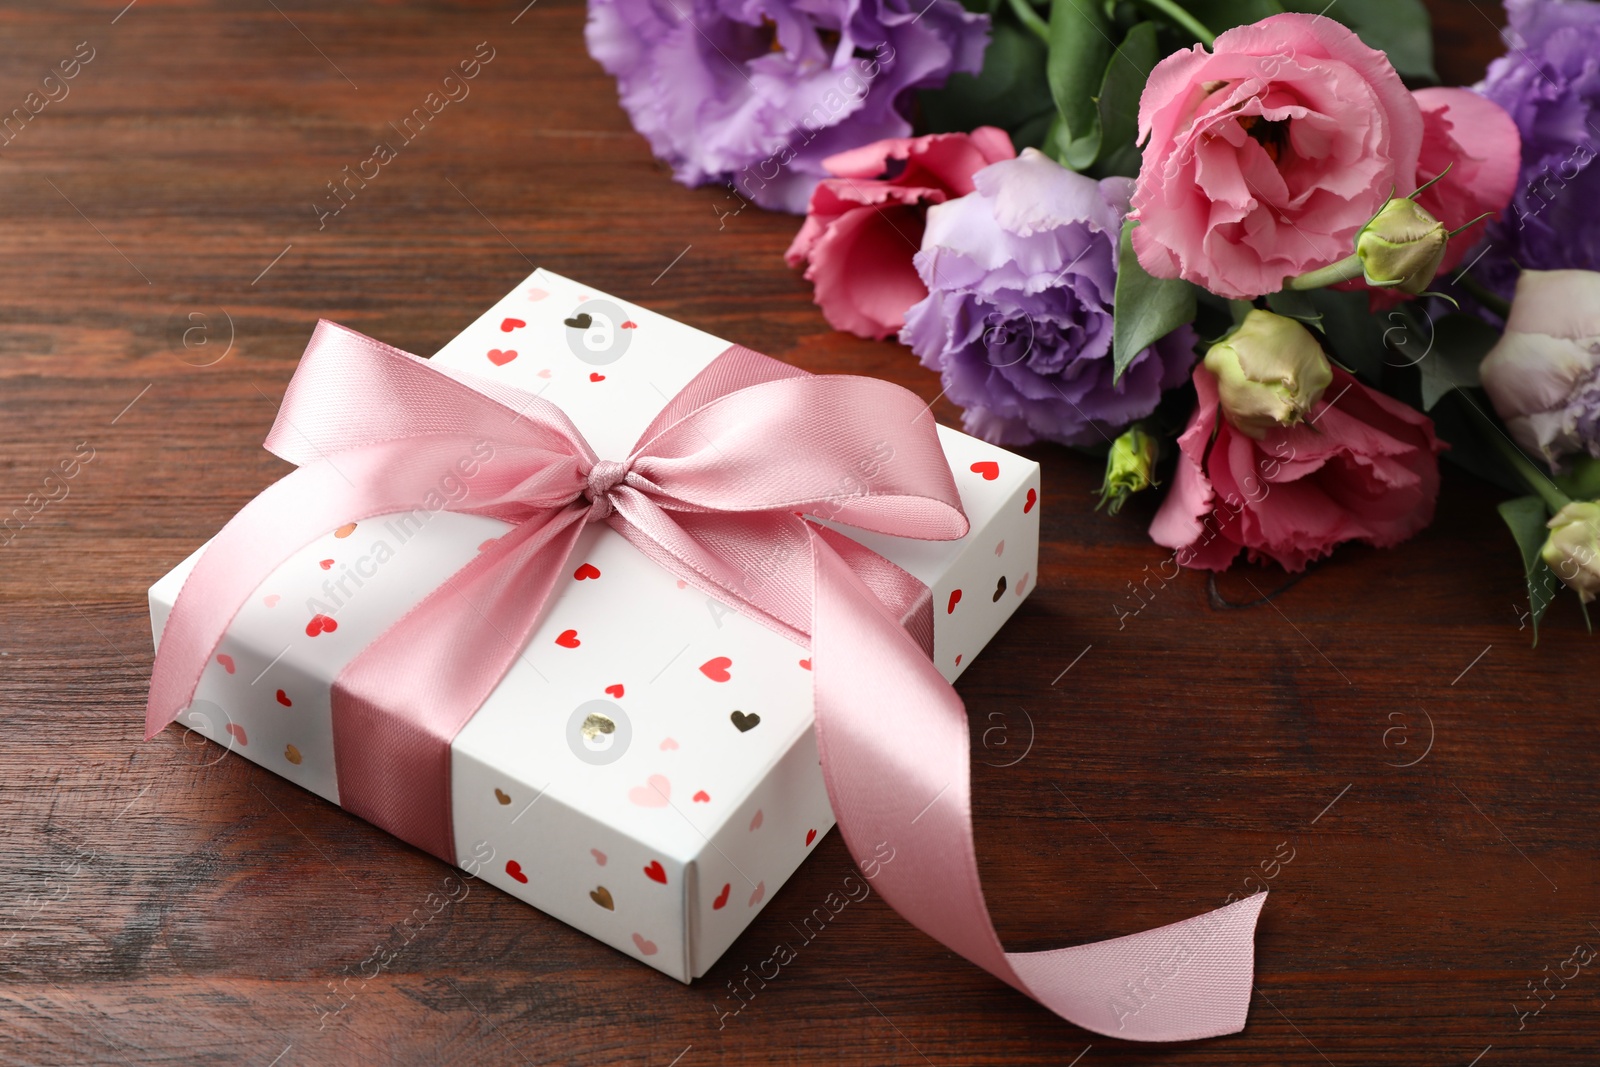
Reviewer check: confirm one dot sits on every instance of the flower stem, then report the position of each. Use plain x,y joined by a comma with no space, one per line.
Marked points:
1345,270
1484,295
1177,14
1030,18
1536,479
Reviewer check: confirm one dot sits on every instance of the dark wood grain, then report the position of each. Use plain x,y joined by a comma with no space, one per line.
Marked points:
160,903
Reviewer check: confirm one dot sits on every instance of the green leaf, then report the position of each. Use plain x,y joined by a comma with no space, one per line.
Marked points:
1451,360
1147,309
1118,103
1526,518
1298,306
1470,449
1035,132
1582,480
1220,15
1355,337
1080,49
1399,27
1009,92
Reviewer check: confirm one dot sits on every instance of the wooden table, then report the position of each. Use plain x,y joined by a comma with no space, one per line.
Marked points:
1380,737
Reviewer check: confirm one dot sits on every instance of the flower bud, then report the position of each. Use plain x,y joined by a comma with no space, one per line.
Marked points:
1573,548
1270,371
1402,247
1130,467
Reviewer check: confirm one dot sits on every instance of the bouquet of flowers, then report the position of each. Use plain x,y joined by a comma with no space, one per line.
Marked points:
1249,237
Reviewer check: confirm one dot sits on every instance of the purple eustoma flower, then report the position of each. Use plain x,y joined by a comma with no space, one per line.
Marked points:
1021,274
1549,82
757,93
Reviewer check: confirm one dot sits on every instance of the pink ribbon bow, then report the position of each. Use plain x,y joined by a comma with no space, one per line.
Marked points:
711,492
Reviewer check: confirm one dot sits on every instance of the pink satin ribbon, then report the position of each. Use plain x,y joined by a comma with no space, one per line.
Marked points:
711,492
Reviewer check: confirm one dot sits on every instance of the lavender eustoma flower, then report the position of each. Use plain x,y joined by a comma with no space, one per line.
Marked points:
1549,82
757,93
1021,274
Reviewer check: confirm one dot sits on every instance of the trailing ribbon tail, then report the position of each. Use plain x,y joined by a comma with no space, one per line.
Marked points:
894,745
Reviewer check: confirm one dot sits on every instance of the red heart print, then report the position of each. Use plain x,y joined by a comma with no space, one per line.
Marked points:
958,659
756,820
629,325
326,564
537,295
507,325
599,857
805,663
1000,549
226,661
237,733
1033,498
811,835
655,872
988,468
514,869
702,797
545,373
1022,584
588,570
271,600
568,639
321,624
955,598
722,897
283,698
614,691
669,744
717,669
760,891
596,376
499,358
645,946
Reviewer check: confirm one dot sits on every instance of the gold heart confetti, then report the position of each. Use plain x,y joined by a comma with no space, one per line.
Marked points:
602,896
501,797
291,754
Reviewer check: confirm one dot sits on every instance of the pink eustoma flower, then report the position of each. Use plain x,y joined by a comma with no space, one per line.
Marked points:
1476,146
866,221
1362,467
1264,157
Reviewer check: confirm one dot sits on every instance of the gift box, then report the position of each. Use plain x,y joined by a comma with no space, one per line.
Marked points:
647,771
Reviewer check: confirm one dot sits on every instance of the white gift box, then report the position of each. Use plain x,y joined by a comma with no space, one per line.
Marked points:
647,771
